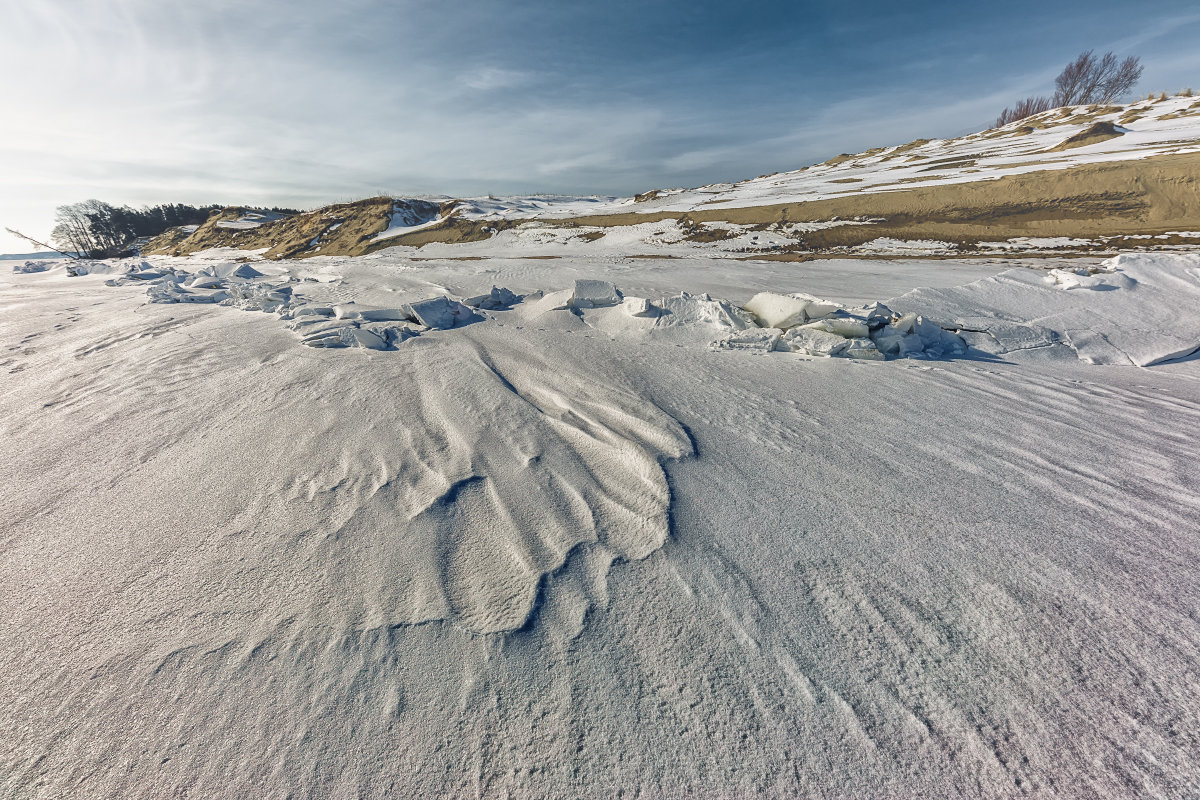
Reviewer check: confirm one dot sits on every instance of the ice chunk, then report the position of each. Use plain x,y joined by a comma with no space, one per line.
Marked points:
701,310
33,266
439,312
554,301
497,299
863,349
594,294
258,296
761,340
344,336
814,342
843,325
145,275
639,307
384,315
312,311
204,282
331,336
876,314
772,310
889,340
931,335
390,332
815,307
905,323
233,270
369,340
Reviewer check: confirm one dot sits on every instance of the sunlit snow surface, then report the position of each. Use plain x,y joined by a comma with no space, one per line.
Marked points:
366,527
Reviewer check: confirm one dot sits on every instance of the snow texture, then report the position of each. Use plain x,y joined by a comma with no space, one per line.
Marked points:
642,546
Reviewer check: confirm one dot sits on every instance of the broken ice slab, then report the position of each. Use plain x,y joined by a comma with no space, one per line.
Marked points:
772,310
760,340
847,326
498,298
384,315
815,307
813,342
639,307
594,294
686,309
439,312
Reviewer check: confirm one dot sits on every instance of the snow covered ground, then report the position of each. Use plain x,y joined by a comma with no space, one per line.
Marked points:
364,527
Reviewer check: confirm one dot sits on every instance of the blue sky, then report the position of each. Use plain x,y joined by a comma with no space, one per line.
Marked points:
302,103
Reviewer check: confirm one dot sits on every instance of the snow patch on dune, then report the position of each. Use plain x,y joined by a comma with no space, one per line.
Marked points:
408,216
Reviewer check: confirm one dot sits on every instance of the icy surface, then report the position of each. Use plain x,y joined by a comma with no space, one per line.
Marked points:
1137,308
558,550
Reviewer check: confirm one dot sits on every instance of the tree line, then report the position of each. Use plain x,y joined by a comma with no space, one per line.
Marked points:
95,229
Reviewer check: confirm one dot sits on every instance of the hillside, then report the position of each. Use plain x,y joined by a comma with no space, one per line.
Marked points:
1077,179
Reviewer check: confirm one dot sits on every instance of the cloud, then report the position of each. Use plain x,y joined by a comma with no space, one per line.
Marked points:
141,101
493,78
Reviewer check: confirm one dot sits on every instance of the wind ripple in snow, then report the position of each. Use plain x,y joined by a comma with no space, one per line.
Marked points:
441,482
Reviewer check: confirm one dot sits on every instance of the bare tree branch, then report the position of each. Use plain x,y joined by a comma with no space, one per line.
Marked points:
40,244
1088,79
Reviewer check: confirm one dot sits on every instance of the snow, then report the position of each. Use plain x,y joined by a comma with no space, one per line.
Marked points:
1136,308
420,525
247,221
408,215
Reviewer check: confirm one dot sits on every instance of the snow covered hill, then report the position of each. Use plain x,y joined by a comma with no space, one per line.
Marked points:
1078,179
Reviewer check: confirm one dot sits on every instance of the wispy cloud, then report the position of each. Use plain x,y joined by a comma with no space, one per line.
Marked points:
492,78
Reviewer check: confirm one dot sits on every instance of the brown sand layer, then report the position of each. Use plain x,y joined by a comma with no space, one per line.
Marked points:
1146,196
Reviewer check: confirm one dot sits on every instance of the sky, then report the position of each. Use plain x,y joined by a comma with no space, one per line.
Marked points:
305,102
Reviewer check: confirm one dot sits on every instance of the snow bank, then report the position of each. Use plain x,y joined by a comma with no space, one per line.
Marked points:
1136,308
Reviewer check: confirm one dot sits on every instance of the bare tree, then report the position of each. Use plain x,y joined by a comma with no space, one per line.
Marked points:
92,227
1088,79
1025,108
42,245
